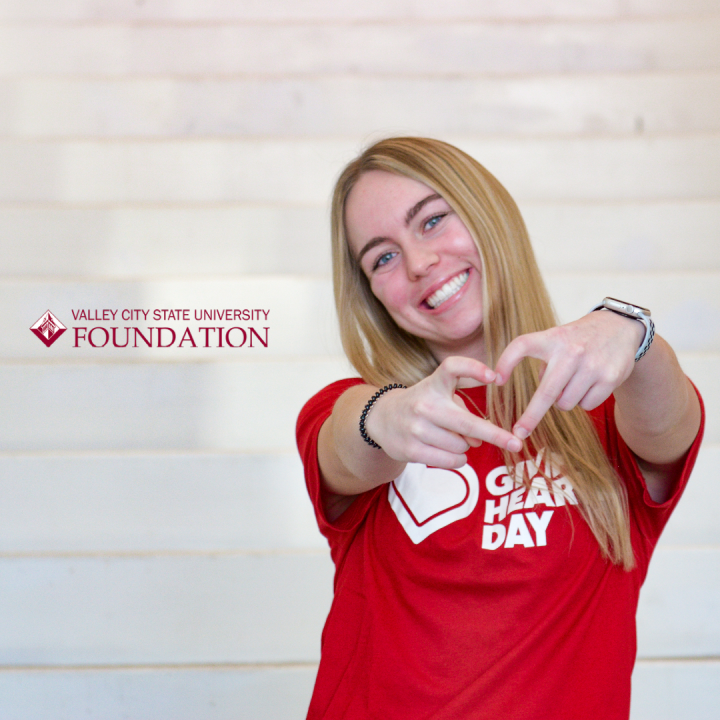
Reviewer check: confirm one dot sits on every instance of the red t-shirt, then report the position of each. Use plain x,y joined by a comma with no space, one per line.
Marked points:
460,594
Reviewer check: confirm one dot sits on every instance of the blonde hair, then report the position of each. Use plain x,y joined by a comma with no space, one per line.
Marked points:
515,302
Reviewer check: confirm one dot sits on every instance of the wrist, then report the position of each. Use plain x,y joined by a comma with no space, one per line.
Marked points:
634,312
368,407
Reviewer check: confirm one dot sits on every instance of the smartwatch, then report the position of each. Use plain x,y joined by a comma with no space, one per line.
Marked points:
635,312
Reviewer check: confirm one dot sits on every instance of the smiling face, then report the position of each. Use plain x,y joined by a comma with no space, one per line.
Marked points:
420,260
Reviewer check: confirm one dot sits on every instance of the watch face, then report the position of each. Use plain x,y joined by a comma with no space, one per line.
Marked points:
625,308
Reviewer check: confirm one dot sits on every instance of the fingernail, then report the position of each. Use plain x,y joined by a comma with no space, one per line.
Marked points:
491,376
520,432
498,379
514,445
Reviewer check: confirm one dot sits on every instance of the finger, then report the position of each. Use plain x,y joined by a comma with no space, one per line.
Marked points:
471,426
590,387
442,439
463,423
531,345
456,372
576,389
551,387
434,457
597,395
428,427
472,442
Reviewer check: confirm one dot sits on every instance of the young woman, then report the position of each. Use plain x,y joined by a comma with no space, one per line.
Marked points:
493,485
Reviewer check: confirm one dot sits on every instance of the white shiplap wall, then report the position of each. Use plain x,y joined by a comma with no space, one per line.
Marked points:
158,557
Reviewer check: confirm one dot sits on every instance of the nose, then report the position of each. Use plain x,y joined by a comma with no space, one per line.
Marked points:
419,259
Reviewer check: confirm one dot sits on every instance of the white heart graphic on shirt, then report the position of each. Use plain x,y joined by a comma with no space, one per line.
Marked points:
425,499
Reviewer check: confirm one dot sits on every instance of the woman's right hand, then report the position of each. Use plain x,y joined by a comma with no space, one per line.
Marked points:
428,423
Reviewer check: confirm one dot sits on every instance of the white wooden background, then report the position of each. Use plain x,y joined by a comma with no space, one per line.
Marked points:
158,556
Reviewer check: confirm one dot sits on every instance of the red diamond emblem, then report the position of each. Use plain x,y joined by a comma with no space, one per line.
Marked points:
48,328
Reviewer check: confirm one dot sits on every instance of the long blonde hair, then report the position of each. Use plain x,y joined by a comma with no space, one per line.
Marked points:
515,302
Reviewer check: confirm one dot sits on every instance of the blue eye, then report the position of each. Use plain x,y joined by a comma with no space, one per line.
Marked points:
433,221
383,260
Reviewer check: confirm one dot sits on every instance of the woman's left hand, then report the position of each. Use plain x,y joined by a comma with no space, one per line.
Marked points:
584,362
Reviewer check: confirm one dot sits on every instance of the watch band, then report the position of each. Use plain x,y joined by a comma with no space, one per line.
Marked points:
635,312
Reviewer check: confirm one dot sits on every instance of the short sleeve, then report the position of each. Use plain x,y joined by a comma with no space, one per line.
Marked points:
312,417
650,516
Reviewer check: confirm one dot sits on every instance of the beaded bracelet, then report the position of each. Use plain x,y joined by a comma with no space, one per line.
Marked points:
367,408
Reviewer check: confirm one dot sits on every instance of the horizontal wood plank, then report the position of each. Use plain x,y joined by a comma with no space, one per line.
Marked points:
679,611
155,242
417,48
303,171
211,693
667,690
155,503
694,521
243,406
573,104
289,11
166,610
624,237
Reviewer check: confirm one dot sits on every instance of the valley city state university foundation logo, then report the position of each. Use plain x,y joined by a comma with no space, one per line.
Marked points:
48,328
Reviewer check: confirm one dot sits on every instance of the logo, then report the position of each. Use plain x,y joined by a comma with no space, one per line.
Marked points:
48,328
426,499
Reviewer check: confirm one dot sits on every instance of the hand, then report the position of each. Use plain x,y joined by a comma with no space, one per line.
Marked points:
429,424
585,361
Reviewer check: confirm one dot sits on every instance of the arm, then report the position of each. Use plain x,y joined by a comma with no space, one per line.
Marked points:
426,423
657,411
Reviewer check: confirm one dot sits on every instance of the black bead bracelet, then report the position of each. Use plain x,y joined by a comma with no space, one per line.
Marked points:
366,410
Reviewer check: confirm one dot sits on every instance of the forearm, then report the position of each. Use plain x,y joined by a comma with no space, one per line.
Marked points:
657,410
348,464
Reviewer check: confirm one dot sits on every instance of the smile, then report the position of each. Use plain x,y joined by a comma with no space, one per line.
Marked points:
447,290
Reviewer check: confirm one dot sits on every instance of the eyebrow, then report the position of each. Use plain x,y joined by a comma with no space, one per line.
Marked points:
417,207
411,213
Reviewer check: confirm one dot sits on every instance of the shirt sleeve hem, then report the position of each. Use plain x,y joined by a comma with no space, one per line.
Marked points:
312,417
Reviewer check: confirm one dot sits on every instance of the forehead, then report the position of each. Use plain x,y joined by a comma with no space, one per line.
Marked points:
378,203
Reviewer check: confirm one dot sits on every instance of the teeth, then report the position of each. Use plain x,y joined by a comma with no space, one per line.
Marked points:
447,290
